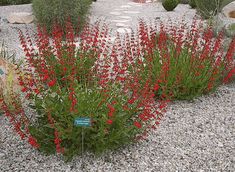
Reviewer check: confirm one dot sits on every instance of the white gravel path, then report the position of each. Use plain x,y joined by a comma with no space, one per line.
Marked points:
194,136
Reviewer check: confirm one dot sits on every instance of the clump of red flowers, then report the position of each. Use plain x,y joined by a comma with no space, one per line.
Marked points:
184,61
72,75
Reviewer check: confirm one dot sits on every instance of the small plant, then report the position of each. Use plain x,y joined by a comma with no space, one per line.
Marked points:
170,5
48,12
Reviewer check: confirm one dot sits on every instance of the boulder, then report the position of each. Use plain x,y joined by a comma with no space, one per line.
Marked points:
20,18
226,20
229,10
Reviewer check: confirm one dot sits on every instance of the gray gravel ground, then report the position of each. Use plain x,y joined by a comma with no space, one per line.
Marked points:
119,14
194,136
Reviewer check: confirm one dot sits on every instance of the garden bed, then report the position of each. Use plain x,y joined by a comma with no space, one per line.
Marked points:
194,135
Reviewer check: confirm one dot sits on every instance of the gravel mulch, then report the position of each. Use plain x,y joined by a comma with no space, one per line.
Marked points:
193,136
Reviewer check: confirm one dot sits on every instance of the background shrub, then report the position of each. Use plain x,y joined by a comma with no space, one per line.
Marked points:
170,5
48,12
187,61
192,3
208,8
14,2
184,1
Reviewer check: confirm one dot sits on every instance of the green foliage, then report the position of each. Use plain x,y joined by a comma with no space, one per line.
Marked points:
182,79
184,1
170,5
225,2
208,8
192,3
14,2
186,65
72,82
98,138
48,12
230,30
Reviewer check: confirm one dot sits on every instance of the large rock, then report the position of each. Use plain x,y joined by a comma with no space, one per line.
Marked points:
226,19
20,18
229,10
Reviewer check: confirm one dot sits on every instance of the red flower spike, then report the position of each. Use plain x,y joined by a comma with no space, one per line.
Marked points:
33,142
24,89
36,91
109,121
137,124
45,77
156,87
51,83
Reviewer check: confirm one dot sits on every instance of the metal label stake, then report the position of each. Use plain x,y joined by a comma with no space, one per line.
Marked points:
82,122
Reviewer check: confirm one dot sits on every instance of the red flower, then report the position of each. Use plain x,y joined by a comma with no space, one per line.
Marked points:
156,87
109,121
131,101
21,83
157,122
137,124
36,91
33,142
24,89
45,77
52,83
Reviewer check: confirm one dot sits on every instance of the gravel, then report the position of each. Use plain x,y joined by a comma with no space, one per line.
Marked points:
196,135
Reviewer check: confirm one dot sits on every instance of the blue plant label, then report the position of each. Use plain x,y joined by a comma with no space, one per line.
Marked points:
82,121
1,72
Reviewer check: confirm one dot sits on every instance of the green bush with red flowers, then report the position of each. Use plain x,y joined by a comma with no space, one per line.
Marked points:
62,82
122,87
185,61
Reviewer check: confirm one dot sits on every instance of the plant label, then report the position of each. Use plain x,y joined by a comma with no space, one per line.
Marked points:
1,72
82,122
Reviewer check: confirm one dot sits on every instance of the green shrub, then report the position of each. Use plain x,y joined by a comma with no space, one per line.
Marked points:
48,12
170,5
208,8
192,3
70,82
225,2
14,2
188,63
184,1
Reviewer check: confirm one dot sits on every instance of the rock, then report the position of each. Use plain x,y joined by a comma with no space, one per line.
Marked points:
121,25
222,21
229,10
20,18
124,30
2,154
230,29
